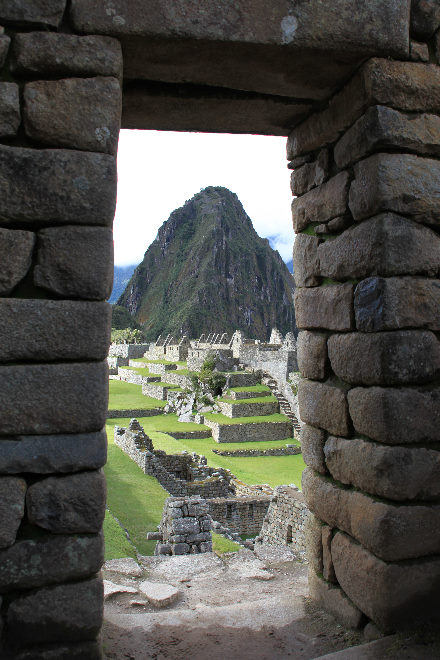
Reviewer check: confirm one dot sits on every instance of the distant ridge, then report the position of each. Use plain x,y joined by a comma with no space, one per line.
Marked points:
121,278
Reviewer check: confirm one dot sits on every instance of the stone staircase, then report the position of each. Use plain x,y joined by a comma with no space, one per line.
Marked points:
284,404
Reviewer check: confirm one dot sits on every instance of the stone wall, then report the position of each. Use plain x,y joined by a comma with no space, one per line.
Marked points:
285,521
185,527
128,350
243,515
256,432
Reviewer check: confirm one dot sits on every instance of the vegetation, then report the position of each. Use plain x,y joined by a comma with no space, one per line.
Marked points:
238,402
251,388
127,396
116,543
220,544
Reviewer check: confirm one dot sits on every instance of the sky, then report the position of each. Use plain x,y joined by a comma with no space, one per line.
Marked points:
158,171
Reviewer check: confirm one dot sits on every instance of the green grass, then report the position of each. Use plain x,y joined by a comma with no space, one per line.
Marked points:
182,372
126,396
251,388
159,383
222,419
163,423
147,361
220,545
143,371
116,543
238,402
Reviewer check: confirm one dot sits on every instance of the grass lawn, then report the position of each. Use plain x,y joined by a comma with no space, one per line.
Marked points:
160,383
238,402
251,388
143,371
222,419
220,545
126,396
116,543
146,361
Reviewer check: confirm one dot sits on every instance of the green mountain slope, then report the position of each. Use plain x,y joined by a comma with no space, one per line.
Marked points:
209,271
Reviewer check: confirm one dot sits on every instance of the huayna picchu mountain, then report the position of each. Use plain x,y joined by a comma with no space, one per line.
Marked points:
209,271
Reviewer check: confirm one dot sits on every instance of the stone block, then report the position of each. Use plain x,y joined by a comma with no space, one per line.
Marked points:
332,599
396,473
53,398
80,113
328,307
12,494
53,330
324,405
407,86
305,258
181,549
390,531
393,595
312,448
41,13
73,504
385,358
10,117
68,612
16,248
425,18
186,526
328,570
49,54
312,354
310,175
383,128
379,246
313,542
5,42
159,594
75,262
396,415
419,52
66,651
402,183
50,559
321,204
397,302
56,187
45,454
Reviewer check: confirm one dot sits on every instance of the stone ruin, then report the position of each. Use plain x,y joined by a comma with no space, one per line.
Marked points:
168,348
185,527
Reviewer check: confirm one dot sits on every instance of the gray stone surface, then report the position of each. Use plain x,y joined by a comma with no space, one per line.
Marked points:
66,651
45,454
385,358
53,330
68,612
324,405
12,494
158,593
396,415
425,18
44,13
56,187
321,204
313,542
16,247
419,52
73,504
390,531
5,42
305,258
392,595
9,109
80,113
328,307
402,183
384,128
312,446
396,473
53,398
50,559
312,354
310,175
52,54
397,302
379,246
75,262
333,599
124,566
328,570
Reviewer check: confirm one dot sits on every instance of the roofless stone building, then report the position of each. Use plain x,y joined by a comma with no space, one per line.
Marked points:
354,84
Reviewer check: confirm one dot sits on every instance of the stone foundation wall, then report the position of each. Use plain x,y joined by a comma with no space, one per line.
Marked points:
259,432
286,520
243,515
128,350
248,409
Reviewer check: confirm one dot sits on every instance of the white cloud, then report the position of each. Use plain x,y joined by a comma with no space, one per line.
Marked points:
158,171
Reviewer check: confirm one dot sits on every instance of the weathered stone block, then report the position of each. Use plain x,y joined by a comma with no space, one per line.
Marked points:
312,354
425,18
321,204
45,454
53,54
50,559
305,258
9,109
68,612
392,595
408,86
312,448
328,570
4,46
333,600
16,247
73,504
81,113
12,494
75,262
397,302
328,307
310,175
47,13
53,398
56,187
313,542
402,183
53,330
419,52
397,473
379,246
382,128
390,531
324,405
385,358
396,415
66,651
